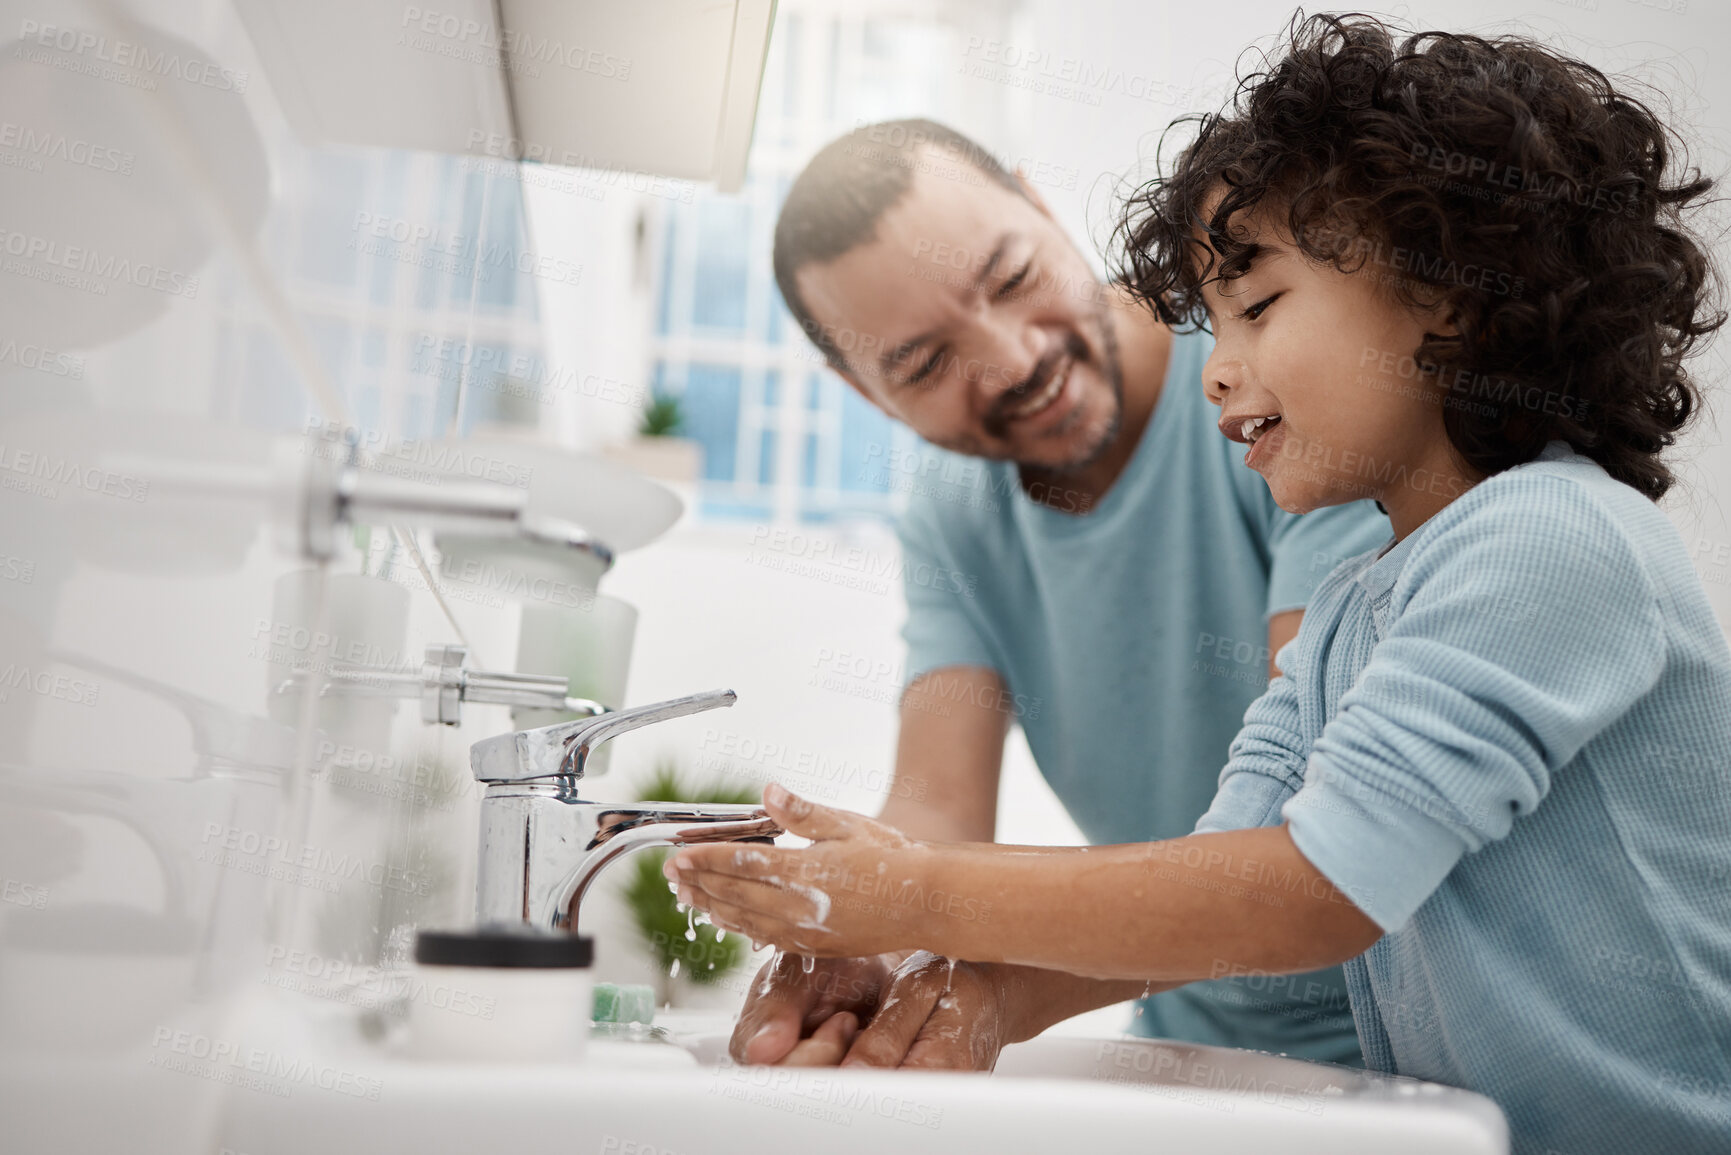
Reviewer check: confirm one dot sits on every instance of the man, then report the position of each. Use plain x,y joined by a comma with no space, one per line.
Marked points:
1129,582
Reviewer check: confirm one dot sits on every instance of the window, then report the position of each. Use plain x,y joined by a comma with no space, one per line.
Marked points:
783,437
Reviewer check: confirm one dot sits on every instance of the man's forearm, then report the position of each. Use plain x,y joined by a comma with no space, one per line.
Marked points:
1170,912
949,754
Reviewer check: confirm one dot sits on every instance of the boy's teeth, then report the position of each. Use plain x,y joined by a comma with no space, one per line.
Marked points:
1252,427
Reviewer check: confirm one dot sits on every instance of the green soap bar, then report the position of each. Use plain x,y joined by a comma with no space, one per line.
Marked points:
636,1004
623,1003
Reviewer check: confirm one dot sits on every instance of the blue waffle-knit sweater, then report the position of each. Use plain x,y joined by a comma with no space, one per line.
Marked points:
1507,738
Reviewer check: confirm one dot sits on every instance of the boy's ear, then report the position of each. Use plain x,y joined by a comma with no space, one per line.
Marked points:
1440,320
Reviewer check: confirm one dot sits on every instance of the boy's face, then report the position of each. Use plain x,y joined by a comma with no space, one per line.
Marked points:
972,319
1327,358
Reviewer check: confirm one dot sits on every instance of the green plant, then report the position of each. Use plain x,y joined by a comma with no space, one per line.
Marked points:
655,911
662,418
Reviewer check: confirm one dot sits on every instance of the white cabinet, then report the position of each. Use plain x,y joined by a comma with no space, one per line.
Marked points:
657,86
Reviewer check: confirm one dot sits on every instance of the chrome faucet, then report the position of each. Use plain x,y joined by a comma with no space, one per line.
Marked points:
541,845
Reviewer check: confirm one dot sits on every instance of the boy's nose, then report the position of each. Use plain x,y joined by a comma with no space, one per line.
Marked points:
1220,375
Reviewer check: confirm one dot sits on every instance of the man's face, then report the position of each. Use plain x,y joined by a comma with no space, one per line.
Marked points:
972,319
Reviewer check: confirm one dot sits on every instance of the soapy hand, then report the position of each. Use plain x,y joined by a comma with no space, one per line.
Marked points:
882,1011
856,890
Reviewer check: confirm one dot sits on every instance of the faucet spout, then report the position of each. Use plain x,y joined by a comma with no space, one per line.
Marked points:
563,748
542,846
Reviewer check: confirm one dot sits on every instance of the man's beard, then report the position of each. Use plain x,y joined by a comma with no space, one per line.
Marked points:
996,423
1110,368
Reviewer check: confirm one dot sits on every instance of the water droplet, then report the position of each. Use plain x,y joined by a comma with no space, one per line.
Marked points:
807,964
673,971
720,934
690,925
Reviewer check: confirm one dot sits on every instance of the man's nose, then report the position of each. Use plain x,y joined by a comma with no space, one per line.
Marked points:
1007,353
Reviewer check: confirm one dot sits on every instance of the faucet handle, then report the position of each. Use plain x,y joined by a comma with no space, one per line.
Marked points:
562,749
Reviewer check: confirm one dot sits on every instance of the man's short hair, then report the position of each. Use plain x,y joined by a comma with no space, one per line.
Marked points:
847,188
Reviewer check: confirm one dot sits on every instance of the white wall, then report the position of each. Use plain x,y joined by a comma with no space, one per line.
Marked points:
1087,138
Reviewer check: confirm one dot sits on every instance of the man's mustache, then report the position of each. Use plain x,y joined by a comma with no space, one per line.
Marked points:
997,422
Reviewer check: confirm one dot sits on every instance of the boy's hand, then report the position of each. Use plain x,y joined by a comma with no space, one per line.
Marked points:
854,891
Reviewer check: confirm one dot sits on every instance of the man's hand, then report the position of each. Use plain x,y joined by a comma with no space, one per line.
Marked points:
787,1011
925,1012
936,1014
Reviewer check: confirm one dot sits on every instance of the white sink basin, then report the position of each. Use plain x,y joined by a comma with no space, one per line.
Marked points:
317,1086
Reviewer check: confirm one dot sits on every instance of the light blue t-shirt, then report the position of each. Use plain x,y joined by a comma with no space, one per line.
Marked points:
1508,740
1132,637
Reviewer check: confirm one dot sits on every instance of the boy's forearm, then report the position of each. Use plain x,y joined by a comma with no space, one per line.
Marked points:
1170,912
1034,998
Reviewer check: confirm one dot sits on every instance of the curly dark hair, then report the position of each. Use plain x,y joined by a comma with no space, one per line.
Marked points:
1516,187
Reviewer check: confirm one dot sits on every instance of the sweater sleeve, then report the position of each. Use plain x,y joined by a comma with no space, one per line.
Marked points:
1264,765
1522,624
